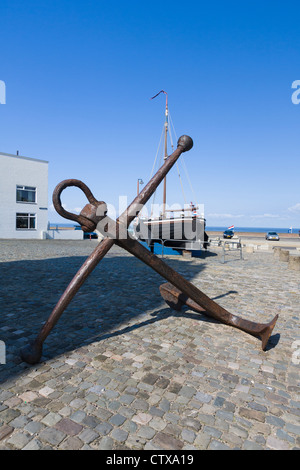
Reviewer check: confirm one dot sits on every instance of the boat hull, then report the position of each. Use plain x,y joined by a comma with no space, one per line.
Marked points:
186,233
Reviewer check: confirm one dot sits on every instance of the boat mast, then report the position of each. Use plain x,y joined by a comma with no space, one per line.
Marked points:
165,150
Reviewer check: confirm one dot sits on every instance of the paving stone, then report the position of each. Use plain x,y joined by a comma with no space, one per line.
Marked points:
202,441
157,423
173,429
248,445
131,390
119,435
295,429
175,387
142,418
191,423
217,445
130,426
219,401
34,444
239,431
34,427
224,415
117,420
28,396
51,419
77,403
104,428
91,421
257,407
103,414
232,439
67,426
207,418
156,411
46,391
150,379
231,378
282,435
52,436
106,443
71,443
164,404
88,436
146,432
187,392
162,383
126,399
212,431
277,444
19,440
5,431
188,435
252,414
8,415
140,404
259,439
167,442
275,421
19,422
203,397
78,416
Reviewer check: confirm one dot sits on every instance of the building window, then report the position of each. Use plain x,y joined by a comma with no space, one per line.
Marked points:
25,221
26,194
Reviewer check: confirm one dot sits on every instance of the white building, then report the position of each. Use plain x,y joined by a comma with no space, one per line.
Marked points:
23,197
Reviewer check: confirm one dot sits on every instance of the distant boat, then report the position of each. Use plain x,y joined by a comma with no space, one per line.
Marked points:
180,229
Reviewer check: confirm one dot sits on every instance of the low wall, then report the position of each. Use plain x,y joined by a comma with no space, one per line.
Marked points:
58,234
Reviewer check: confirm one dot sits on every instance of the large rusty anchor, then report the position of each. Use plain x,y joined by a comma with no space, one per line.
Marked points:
177,292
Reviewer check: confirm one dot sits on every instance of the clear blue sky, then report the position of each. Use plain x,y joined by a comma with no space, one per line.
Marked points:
79,75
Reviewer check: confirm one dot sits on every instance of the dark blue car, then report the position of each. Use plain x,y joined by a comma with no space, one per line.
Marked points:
228,234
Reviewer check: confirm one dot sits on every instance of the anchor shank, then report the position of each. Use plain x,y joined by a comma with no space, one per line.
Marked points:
215,310
194,298
77,281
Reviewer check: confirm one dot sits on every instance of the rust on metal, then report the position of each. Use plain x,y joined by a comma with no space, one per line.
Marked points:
177,292
88,218
176,299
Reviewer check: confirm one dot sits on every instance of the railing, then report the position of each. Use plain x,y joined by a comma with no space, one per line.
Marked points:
227,246
232,245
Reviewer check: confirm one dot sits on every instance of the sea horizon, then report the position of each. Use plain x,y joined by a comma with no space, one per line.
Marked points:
211,228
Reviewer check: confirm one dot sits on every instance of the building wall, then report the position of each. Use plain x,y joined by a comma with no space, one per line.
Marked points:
16,170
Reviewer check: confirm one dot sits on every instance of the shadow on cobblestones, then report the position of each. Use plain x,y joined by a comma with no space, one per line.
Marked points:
273,341
118,293
127,373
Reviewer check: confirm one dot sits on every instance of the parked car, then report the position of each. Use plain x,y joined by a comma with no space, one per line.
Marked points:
228,234
272,236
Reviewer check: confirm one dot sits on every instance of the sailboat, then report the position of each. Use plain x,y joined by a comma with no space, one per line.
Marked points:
181,229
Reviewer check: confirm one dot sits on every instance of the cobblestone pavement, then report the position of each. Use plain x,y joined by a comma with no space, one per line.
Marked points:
121,370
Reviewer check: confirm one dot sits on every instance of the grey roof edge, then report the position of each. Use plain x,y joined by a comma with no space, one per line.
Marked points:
23,158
